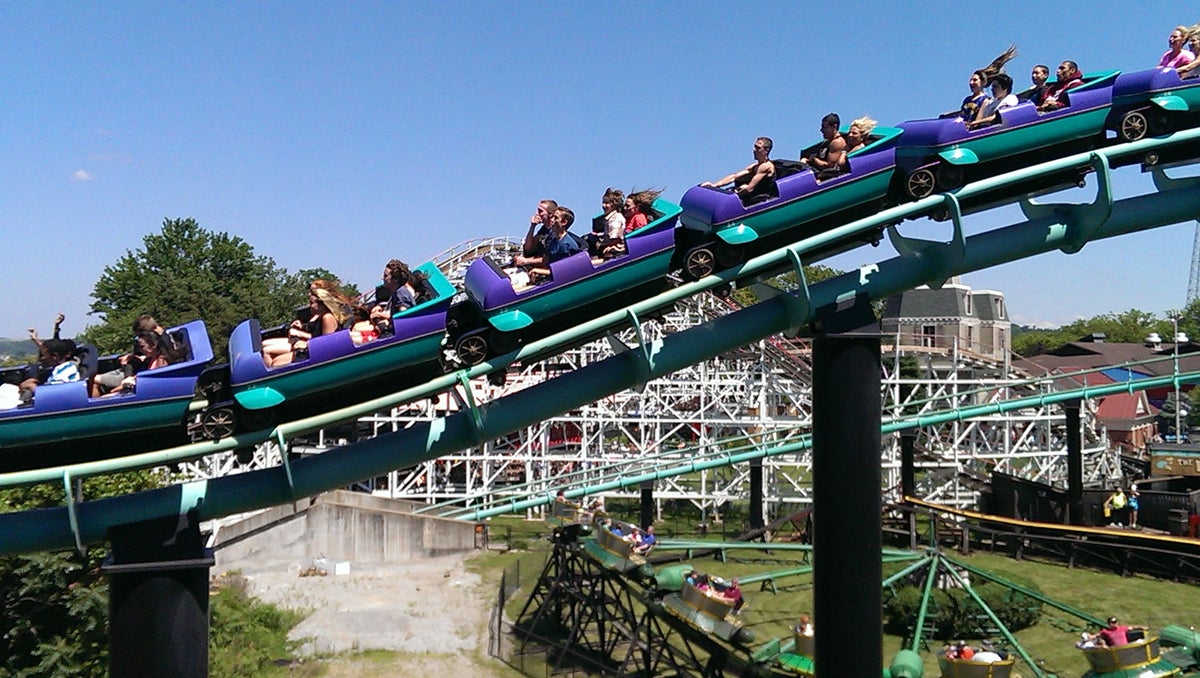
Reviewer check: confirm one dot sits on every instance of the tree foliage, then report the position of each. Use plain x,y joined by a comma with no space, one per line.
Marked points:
54,605
953,613
1132,326
184,273
787,282
247,636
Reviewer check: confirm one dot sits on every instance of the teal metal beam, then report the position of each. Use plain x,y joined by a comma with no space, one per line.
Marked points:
50,528
926,596
727,458
538,490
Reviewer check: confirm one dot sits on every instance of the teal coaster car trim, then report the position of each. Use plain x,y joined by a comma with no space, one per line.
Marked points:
738,235
959,156
511,321
1169,102
259,398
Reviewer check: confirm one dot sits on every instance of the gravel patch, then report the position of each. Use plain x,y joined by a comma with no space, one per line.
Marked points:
429,606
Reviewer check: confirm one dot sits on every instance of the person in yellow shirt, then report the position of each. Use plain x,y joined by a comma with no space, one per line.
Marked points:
1114,507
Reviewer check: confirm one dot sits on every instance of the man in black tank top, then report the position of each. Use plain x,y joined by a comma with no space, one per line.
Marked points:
756,182
827,157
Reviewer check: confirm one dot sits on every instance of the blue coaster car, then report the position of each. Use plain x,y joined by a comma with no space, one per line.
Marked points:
64,425
942,154
721,230
337,372
1153,102
493,315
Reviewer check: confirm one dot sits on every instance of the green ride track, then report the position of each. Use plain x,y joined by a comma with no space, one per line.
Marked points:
617,476
1048,227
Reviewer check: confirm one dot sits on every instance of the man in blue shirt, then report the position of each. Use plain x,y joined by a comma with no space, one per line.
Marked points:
648,541
559,243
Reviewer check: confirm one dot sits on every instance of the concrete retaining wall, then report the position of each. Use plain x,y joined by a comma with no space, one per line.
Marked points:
338,526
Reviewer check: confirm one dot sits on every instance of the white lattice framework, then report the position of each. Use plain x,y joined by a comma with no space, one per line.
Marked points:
957,456
761,393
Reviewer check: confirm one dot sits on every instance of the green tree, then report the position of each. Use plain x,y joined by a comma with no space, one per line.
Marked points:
787,282
54,605
1166,415
1032,342
1132,326
184,273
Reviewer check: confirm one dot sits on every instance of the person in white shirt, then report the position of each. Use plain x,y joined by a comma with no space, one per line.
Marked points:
1002,98
987,653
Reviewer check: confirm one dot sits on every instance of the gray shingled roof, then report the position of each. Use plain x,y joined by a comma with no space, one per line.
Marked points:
987,304
1083,354
927,303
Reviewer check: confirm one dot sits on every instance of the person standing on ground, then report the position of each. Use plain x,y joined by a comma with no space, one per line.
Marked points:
1114,507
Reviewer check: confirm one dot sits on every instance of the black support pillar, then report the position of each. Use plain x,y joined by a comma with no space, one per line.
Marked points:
908,470
1074,464
756,494
647,503
158,600
847,505
908,478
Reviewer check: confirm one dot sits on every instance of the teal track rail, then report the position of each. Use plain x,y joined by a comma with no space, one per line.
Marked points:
617,475
804,442
1047,228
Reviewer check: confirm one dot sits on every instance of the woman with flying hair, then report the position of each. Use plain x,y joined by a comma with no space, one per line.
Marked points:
978,83
639,207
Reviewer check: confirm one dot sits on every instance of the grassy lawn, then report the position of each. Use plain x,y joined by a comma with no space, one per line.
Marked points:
1136,600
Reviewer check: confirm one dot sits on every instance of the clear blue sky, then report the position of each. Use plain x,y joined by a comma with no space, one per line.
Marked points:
343,134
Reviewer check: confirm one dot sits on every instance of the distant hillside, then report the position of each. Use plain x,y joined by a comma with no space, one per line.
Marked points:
1018,330
16,347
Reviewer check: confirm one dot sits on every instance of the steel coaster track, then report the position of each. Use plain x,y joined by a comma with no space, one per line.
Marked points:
616,475
803,442
1048,227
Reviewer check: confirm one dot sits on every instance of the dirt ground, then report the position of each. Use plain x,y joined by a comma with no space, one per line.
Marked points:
432,613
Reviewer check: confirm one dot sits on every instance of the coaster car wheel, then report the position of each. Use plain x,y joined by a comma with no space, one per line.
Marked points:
920,183
503,342
256,420
699,263
1134,126
217,423
729,256
949,177
471,349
